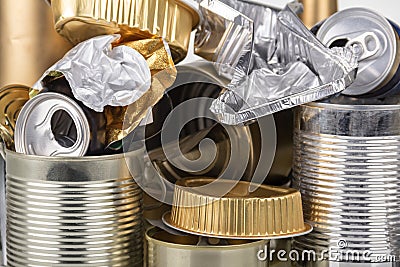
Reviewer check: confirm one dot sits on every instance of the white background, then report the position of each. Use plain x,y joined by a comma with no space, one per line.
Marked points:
388,8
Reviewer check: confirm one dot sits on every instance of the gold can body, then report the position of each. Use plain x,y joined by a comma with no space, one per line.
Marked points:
79,20
28,43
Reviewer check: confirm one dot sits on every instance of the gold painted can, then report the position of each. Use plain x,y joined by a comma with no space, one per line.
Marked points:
168,250
28,44
79,20
317,10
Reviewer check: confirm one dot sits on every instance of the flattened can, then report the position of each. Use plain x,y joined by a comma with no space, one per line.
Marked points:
376,41
168,250
62,123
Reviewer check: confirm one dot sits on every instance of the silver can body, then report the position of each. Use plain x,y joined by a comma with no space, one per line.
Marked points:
73,211
346,166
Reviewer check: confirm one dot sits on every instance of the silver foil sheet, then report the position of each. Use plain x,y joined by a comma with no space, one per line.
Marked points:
288,66
100,75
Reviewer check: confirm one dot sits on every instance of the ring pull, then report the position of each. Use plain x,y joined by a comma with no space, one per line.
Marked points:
365,45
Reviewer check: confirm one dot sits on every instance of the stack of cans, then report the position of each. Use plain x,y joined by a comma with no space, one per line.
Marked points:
346,161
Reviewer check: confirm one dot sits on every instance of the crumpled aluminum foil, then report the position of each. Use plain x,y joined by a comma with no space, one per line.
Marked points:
100,75
299,71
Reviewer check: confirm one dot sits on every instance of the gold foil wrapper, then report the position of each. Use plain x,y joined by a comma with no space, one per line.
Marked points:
123,120
79,20
12,99
28,44
267,212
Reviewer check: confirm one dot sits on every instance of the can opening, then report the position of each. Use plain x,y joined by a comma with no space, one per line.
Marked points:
339,42
63,129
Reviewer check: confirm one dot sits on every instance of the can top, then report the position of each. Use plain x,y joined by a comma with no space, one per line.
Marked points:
34,134
375,40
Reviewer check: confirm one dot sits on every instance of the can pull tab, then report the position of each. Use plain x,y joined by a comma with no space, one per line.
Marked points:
365,45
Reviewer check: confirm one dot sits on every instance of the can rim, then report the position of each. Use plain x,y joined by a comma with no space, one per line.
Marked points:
154,230
361,107
74,159
193,8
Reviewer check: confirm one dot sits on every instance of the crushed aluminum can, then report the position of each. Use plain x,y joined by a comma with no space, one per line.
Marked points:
63,124
376,42
34,132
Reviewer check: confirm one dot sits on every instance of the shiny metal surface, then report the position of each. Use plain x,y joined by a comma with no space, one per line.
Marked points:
34,131
200,79
2,213
78,20
28,44
167,250
74,211
317,10
12,99
346,166
230,209
375,40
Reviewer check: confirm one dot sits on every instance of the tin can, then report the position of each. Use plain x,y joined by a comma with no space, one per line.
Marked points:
376,41
84,211
12,99
29,44
63,126
346,167
174,20
317,10
36,130
2,213
168,250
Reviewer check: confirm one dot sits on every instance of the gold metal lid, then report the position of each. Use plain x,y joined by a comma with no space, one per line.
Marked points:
12,99
79,20
266,212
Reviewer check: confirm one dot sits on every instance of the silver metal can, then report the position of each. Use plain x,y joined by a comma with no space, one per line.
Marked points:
64,211
168,250
346,166
375,39
36,134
